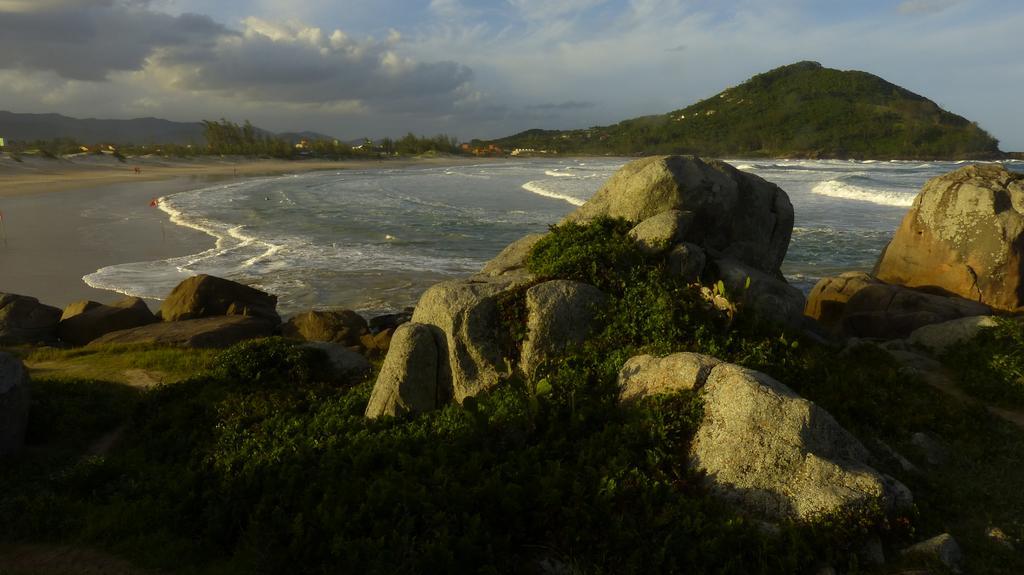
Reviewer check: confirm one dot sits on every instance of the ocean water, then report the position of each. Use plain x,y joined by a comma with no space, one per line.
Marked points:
373,240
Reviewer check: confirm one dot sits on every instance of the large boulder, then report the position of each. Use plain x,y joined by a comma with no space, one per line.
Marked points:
560,314
767,296
340,326
409,377
780,455
964,234
735,214
215,332
761,445
23,320
208,296
474,345
512,259
856,304
14,403
85,321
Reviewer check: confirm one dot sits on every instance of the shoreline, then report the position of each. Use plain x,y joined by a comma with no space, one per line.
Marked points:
34,176
64,220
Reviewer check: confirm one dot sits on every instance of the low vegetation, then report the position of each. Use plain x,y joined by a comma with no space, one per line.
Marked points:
991,366
262,461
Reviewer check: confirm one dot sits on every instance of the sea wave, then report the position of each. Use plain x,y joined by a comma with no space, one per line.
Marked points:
537,187
556,174
846,191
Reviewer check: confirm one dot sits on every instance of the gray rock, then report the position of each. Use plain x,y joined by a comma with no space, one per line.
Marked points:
409,378
768,297
963,235
644,375
85,321
736,214
941,336
338,326
942,548
780,455
687,261
208,296
560,314
207,332
345,363
23,320
658,233
513,257
472,349
14,403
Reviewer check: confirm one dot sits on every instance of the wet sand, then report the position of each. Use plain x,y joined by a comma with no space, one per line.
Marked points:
62,221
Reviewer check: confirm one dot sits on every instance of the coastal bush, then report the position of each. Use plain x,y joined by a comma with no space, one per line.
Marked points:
991,366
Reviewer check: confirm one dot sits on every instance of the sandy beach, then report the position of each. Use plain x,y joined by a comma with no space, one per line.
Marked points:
63,219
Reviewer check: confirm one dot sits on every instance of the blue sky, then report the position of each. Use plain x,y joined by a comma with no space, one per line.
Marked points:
476,68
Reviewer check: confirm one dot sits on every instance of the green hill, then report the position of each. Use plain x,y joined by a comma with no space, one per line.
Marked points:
800,110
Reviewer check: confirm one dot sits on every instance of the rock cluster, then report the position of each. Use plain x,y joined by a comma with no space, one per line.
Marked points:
710,221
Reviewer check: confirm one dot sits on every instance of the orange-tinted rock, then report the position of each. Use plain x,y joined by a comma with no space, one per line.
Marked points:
964,235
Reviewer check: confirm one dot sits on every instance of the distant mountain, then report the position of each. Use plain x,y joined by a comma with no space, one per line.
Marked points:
800,110
31,127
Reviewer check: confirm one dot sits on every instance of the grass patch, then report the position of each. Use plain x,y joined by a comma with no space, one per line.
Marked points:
991,366
111,362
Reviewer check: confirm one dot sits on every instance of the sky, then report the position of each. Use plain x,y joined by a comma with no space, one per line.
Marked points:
486,68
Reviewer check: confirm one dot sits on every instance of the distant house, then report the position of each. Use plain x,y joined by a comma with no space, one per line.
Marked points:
302,145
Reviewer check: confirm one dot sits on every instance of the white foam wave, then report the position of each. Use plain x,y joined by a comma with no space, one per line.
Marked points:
538,188
556,174
845,191
746,167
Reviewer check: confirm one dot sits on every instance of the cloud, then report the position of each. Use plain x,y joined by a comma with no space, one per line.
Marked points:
292,62
545,9
926,6
562,106
89,40
266,61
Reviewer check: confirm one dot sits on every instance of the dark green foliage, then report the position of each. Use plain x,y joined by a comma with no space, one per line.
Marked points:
270,361
801,110
991,366
76,410
600,253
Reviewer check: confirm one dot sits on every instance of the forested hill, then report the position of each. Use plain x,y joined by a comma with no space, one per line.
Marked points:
800,110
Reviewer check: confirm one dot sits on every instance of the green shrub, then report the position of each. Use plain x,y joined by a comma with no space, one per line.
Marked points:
599,252
270,361
991,366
